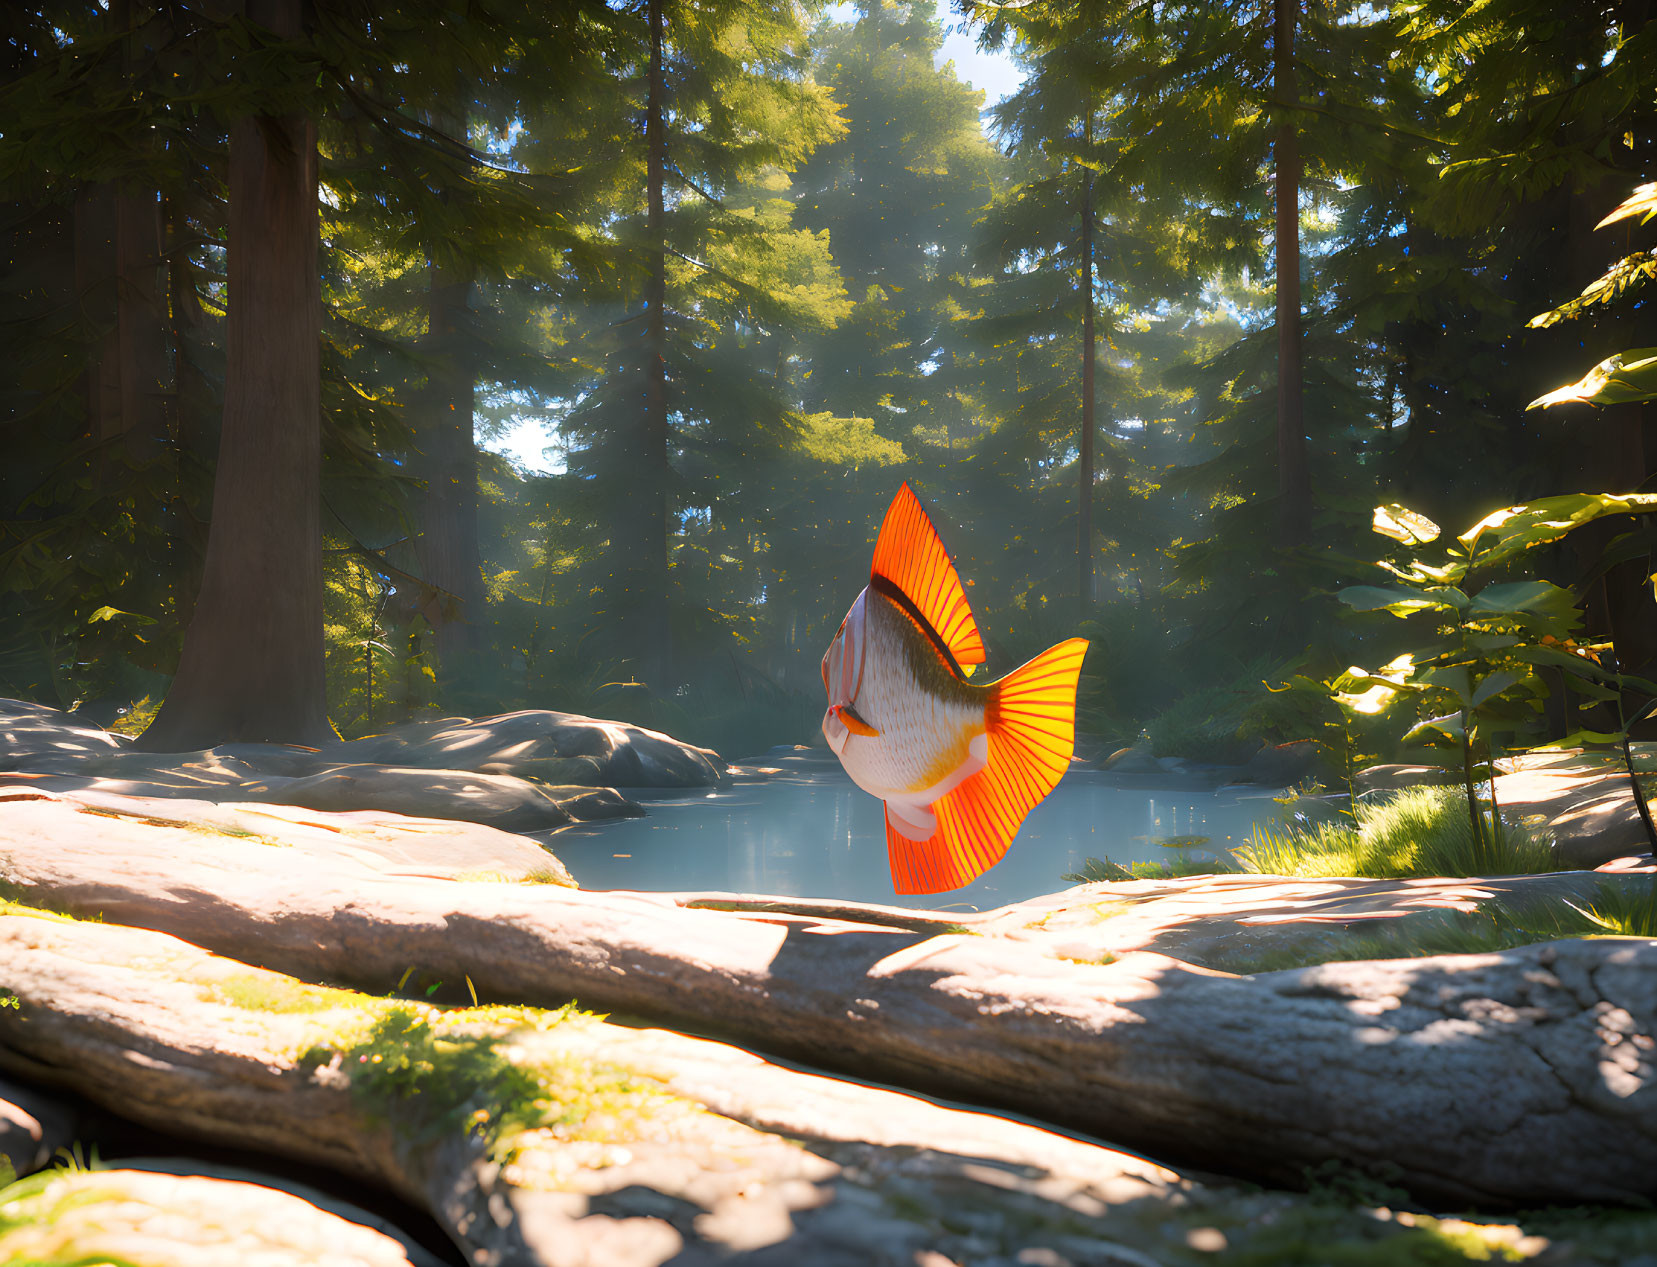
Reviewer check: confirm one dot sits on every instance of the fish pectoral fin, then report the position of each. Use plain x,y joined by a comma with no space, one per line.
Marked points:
912,822
856,724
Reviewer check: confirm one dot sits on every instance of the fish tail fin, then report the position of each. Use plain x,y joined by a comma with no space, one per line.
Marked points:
1031,724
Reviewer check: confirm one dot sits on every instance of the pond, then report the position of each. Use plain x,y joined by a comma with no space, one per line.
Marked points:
809,831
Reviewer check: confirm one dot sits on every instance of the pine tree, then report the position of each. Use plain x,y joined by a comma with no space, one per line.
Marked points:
709,275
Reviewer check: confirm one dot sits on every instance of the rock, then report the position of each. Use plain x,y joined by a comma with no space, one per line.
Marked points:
584,771
413,1251
1283,764
1261,1075
555,1138
496,800
594,804
1590,811
1131,760
499,771
27,729
138,1216
500,801
337,849
623,755
33,1126
1391,778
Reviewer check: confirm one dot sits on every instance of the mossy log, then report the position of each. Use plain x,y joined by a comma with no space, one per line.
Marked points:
554,1138
1522,1076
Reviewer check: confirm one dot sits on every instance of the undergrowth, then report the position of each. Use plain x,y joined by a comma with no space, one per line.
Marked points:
1422,831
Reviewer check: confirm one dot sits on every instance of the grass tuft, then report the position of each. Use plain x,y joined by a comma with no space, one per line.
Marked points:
1421,831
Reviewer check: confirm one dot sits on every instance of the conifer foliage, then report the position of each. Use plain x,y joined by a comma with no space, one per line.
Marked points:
1152,335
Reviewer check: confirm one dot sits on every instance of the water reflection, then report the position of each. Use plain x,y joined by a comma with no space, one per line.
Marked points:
810,831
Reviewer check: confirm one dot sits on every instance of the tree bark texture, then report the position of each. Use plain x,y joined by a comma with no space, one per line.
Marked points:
731,1157
1515,1077
1294,487
121,279
447,542
252,665
651,636
1084,475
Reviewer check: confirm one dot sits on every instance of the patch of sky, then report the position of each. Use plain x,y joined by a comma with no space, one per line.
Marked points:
995,74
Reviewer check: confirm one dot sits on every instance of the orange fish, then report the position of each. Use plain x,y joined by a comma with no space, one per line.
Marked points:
958,765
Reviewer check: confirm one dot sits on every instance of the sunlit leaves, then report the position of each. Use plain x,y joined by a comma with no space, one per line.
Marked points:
1507,533
1400,601
1404,525
1642,203
1619,379
846,442
1629,272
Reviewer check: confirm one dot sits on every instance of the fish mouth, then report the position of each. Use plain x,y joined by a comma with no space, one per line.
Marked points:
835,731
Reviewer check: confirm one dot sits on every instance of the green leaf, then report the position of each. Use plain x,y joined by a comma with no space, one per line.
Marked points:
1577,738
1447,727
1642,202
1494,685
115,613
1510,532
1629,272
1617,380
1528,597
1453,677
1395,599
1403,524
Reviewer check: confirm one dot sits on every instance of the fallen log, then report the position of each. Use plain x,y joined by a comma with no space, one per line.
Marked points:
555,1138
1515,1077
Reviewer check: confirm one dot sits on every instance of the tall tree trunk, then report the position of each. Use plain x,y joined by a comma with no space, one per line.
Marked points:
446,544
1084,475
252,666
652,636
121,281
1294,487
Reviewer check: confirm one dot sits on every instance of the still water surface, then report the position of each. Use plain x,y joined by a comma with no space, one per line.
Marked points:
809,831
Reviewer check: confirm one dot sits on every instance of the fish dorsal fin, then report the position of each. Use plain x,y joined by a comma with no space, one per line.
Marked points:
909,554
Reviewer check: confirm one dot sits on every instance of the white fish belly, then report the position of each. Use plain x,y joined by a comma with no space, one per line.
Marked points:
924,738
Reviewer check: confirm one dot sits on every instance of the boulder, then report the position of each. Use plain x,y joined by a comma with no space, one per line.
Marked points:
27,729
623,755
336,849
1131,760
304,777
1589,810
195,1167
137,1216
1391,778
1283,764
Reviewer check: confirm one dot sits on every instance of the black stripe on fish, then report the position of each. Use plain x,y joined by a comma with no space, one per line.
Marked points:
888,588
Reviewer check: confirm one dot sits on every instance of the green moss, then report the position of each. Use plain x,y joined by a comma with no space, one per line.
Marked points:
541,875
1422,831
435,1068
258,992
27,1206
21,899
